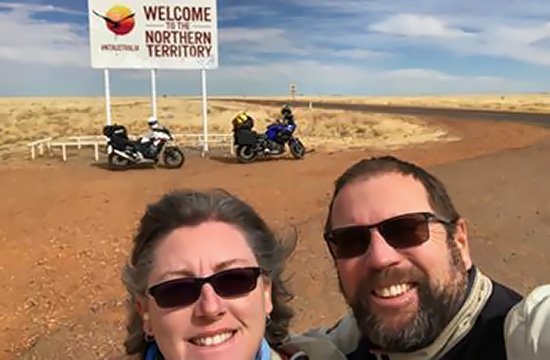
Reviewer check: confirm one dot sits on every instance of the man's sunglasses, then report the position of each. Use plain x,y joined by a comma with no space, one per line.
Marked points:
231,283
400,232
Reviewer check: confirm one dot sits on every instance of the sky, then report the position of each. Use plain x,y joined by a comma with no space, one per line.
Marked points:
325,47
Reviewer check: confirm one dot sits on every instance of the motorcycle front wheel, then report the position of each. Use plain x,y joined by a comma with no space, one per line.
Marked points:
246,154
173,157
297,149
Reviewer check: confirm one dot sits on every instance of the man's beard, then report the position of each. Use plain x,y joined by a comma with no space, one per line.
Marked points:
437,305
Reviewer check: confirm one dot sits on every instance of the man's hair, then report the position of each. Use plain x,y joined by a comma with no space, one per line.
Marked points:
437,194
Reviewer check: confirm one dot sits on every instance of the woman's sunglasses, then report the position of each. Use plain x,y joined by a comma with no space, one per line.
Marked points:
183,292
400,232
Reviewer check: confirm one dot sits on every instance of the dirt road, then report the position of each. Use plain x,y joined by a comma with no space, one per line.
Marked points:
66,228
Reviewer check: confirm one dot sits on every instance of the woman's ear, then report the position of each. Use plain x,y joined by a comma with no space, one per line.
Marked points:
142,310
267,288
141,306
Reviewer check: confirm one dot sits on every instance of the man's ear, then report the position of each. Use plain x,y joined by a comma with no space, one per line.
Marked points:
463,243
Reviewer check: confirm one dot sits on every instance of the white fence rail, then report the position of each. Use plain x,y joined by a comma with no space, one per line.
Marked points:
194,140
39,144
197,140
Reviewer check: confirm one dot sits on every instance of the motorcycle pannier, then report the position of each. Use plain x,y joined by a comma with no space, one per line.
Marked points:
118,130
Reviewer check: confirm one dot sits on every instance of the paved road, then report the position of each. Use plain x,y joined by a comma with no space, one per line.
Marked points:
525,118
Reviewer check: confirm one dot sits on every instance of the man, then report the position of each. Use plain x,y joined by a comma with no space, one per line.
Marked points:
148,142
402,255
288,116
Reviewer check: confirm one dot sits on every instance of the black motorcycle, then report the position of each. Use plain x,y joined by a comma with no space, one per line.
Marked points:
249,144
122,152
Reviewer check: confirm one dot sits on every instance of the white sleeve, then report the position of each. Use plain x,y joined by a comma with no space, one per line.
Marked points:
527,327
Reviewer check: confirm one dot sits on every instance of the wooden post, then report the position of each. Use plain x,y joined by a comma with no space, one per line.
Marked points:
32,152
64,150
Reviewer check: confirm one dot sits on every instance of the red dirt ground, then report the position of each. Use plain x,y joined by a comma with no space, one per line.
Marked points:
66,228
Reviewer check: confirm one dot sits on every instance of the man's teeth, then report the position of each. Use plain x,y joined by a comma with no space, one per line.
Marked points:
393,291
212,340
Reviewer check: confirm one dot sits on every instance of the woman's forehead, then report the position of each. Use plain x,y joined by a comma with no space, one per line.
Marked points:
208,247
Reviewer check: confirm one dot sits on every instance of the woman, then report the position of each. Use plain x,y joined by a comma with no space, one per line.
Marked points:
204,280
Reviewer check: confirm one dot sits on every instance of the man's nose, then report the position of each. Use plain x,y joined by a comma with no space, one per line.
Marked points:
380,254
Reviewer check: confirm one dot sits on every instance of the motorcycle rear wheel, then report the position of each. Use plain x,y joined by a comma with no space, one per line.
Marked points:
246,154
118,160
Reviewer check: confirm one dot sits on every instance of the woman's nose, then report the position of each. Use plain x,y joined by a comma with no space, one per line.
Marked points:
209,304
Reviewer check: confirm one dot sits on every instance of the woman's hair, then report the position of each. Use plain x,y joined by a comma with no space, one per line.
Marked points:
191,208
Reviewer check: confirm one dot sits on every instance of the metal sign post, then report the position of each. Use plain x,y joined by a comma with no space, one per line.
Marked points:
204,113
107,96
154,93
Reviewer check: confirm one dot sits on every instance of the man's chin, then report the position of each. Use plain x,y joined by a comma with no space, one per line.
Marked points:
383,318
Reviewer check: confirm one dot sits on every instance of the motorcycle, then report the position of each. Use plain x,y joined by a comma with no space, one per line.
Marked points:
249,144
122,152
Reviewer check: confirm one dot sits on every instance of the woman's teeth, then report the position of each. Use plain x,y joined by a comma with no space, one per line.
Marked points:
212,340
393,291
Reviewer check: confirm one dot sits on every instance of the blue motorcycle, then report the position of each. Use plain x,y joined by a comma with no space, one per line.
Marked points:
249,144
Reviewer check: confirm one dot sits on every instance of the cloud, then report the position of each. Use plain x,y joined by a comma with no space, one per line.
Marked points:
418,74
530,44
412,25
326,46
36,8
499,29
526,44
241,11
432,75
259,40
495,9
41,42
314,77
360,54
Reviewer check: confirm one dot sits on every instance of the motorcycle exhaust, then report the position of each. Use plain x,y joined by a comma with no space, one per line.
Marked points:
124,155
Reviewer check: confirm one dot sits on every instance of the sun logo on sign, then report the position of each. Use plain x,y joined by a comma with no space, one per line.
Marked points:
119,19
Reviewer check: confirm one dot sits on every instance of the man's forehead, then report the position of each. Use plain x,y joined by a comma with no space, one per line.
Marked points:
381,196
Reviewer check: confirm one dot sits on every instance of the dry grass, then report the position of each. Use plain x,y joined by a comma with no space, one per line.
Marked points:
26,119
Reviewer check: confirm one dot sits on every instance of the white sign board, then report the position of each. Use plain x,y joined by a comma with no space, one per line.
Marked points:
164,34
